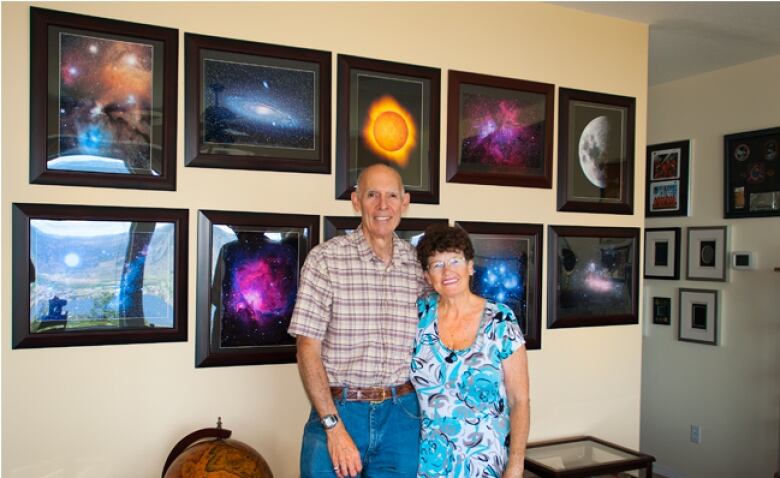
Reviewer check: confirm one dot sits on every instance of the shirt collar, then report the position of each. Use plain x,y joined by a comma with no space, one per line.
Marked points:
367,254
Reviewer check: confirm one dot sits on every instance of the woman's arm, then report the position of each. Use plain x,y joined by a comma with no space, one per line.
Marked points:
516,382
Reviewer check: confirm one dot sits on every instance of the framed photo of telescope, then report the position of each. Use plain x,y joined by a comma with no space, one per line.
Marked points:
508,269
593,276
256,106
595,152
103,99
499,131
88,275
388,113
248,274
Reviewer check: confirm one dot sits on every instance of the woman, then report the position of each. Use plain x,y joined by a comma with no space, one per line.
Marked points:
469,369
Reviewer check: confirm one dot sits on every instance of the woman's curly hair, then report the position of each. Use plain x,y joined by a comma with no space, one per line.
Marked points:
443,238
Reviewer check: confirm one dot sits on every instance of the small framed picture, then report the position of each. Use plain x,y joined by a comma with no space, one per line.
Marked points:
707,252
103,99
388,113
662,310
667,179
662,253
698,316
411,228
256,106
89,275
593,276
499,131
508,269
595,152
752,174
248,269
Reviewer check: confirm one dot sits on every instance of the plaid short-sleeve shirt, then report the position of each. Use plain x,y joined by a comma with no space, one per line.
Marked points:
363,310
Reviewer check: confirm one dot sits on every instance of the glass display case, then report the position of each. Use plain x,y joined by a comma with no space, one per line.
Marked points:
585,456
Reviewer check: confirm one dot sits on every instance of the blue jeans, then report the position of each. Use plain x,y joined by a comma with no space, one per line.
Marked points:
386,434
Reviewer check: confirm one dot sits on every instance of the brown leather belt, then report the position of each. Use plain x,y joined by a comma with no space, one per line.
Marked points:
373,394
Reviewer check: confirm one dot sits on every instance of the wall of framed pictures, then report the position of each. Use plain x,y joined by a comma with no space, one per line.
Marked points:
278,160
730,209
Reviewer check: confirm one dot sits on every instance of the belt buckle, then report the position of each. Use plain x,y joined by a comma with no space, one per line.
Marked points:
381,398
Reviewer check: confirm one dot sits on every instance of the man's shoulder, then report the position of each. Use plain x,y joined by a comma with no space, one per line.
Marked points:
334,247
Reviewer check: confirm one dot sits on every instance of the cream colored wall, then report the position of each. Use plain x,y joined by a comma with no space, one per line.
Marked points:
732,391
115,411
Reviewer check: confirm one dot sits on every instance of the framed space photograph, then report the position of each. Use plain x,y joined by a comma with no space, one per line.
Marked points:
595,152
707,252
410,228
388,113
102,102
662,253
88,275
752,174
499,131
248,273
698,316
662,310
256,106
667,179
508,269
593,276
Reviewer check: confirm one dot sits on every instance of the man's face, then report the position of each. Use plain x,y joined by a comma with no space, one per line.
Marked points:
380,200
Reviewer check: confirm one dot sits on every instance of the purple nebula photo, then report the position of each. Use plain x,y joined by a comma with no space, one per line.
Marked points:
258,278
501,132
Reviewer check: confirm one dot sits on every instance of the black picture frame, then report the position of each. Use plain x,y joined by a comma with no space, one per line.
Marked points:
409,228
519,151
97,269
662,253
667,179
102,125
592,276
662,310
603,183
248,274
511,250
400,102
751,174
275,107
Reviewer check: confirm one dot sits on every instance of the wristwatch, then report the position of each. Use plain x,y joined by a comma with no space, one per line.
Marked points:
329,421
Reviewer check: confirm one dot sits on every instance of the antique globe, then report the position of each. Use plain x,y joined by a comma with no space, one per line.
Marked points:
209,453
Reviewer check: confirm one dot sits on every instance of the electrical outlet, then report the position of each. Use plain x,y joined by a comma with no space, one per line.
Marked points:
696,434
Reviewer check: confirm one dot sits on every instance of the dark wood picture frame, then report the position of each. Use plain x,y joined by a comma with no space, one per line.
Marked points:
350,142
46,112
687,319
592,124
534,233
604,277
671,261
668,166
209,350
25,273
751,174
334,225
531,142
245,58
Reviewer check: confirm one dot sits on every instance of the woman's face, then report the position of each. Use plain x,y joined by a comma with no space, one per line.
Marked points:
449,273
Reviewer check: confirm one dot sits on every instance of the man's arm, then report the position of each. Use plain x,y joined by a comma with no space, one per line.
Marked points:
343,452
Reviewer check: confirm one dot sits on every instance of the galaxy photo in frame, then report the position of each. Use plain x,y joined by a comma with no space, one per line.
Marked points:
249,284
595,152
508,269
409,229
102,103
256,106
388,113
97,275
499,131
593,276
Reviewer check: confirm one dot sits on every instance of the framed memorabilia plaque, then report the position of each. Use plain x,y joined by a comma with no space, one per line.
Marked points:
667,179
752,174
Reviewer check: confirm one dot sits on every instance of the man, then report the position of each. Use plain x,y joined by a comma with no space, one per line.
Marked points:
355,319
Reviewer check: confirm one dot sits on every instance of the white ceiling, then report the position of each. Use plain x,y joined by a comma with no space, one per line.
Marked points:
688,38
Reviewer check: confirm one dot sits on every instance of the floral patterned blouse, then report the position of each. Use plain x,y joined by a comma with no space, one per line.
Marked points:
465,416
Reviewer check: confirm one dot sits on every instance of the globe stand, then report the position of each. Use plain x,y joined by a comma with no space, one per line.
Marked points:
219,433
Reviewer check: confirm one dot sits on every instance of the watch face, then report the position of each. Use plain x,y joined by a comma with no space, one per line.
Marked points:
329,421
